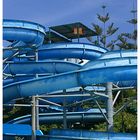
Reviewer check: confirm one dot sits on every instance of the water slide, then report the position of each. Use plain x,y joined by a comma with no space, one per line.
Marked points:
103,66
72,117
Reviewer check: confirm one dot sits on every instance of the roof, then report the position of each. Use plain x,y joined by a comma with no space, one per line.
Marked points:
54,38
74,30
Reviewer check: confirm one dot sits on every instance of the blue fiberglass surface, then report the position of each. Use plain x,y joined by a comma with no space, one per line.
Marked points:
105,67
128,55
86,76
92,135
8,53
71,50
28,32
93,116
18,129
72,45
54,66
118,54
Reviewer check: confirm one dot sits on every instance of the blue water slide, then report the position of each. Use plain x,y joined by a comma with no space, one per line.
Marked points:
52,66
116,55
104,67
124,70
19,30
119,53
22,34
10,52
32,68
70,50
72,117
55,66
61,134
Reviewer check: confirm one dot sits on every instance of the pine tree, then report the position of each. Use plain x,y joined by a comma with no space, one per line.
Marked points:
129,40
104,32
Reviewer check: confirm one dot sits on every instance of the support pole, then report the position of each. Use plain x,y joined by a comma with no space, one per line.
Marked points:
37,113
13,55
64,112
101,111
33,119
116,97
36,98
109,106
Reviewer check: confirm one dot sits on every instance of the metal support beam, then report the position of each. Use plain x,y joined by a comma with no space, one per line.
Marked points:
121,108
21,105
37,113
70,95
5,67
109,106
124,106
102,111
116,97
30,56
15,54
49,102
36,98
64,112
33,119
26,105
123,88
76,103
116,85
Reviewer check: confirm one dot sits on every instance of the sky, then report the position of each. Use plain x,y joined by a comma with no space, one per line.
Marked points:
58,12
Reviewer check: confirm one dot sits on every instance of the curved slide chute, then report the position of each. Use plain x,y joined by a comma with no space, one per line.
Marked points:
27,37
88,135
72,117
40,67
88,76
25,34
70,50
19,30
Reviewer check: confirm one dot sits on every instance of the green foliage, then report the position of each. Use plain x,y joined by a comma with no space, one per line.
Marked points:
103,19
46,128
125,122
97,29
10,113
99,127
133,21
126,40
104,33
129,40
111,30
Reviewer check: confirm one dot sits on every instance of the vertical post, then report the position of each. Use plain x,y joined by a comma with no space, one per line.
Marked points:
33,119
64,111
36,99
109,106
37,113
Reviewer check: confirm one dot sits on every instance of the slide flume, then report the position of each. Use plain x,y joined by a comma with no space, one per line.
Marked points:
103,66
